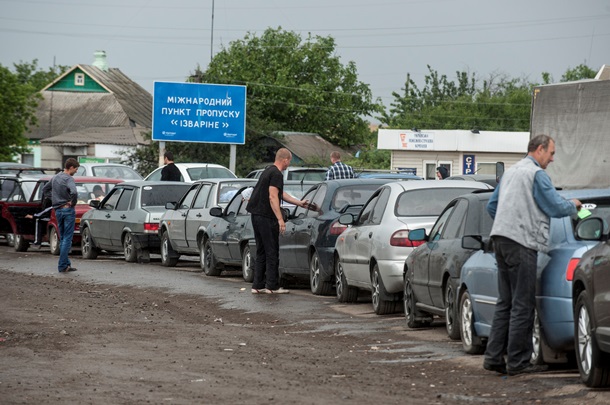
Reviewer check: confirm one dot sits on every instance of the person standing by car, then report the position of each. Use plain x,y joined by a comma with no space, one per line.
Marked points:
64,197
442,173
338,169
170,172
521,206
268,222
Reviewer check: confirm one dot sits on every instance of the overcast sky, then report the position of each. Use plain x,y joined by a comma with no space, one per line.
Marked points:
163,40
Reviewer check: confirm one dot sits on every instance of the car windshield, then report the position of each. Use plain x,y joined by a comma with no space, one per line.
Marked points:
428,202
227,190
356,194
209,172
115,172
159,195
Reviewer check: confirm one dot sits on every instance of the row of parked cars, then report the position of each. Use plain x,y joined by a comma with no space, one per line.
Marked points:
418,246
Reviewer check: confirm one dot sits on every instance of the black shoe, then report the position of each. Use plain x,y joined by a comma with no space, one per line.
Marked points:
68,269
497,368
528,370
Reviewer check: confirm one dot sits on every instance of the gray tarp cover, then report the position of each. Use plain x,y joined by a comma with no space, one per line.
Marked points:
577,116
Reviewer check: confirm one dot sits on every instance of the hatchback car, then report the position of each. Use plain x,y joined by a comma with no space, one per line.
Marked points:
108,170
371,253
554,323
432,270
591,300
230,231
190,172
127,219
183,226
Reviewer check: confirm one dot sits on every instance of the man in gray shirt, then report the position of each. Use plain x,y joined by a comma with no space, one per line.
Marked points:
64,197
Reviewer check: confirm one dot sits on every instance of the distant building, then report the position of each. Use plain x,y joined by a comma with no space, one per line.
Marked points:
90,113
460,151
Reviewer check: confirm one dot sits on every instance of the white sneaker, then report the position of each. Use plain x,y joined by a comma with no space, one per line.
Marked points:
278,291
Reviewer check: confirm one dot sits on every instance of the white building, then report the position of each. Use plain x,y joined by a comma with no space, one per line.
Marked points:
460,151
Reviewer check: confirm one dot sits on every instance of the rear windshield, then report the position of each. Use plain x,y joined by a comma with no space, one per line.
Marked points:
313,175
427,201
158,195
356,194
115,172
197,173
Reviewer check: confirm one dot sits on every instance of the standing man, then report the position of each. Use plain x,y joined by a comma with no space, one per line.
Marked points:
64,197
268,222
170,172
521,206
338,169
442,173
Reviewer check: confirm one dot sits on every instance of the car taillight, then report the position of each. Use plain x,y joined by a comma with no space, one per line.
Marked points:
151,227
401,238
337,228
571,267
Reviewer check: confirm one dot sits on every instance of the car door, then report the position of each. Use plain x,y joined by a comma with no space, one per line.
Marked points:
228,237
198,215
100,219
601,293
303,226
120,217
240,230
176,219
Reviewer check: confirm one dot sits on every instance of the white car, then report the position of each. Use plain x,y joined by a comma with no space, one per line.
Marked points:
370,254
296,173
109,170
190,172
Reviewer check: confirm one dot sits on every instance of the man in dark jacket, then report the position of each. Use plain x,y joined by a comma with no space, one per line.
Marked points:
170,172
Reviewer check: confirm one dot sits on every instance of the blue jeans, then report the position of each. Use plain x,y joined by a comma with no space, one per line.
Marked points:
266,266
513,323
66,218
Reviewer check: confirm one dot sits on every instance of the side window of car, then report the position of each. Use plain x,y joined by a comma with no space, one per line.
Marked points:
438,227
202,196
112,199
365,214
186,202
233,207
124,199
454,227
155,176
302,211
318,202
380,206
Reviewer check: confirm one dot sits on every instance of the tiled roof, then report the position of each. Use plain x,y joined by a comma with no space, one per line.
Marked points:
128,136
306,145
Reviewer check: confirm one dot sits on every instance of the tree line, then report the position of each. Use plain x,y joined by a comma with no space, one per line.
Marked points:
299,84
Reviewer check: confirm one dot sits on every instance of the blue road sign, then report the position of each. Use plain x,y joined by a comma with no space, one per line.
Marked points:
194,112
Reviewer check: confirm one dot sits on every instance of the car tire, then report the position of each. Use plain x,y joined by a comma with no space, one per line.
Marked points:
471,343
537,342
451,311
317,285
247,267
21,245
345,293
593,364
169,257
87,246
131,255
54,241
207,260
412,315
380,306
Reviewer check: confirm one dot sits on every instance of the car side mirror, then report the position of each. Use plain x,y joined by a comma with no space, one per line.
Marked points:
499,171
346,219
94,203
216,212
591,229
418,235
170,205
473,242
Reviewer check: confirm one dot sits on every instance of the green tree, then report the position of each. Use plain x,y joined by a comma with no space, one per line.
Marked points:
580,72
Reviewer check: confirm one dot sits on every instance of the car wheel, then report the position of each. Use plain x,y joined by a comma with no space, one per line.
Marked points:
537,357
87,248
412,315
247,267
593,364
129,249
21,245
208,261
317,285
345,293
380,306
169,258
451,313
470,341
54,241
10,239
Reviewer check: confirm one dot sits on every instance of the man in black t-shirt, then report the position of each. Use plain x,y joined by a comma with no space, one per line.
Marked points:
268,222
170,172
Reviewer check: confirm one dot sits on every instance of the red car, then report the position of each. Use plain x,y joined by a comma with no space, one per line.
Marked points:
17,213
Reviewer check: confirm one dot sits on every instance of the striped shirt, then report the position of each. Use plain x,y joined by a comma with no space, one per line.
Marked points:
339,170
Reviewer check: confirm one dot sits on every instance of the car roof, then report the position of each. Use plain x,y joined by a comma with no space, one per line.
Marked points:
413,185
189,165
142,183
225,180
585,193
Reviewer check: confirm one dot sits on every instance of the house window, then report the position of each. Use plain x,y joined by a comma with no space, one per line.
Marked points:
486,168
79,79
27,158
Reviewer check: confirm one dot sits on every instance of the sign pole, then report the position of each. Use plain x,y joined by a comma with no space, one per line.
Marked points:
161,152
232,157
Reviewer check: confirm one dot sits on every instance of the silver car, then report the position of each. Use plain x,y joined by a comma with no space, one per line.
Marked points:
127,219
183,227
370,254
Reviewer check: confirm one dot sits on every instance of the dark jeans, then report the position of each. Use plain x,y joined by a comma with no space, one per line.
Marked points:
66,218
266,266
513,323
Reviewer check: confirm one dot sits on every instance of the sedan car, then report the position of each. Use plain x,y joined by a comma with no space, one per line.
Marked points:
190,172
230,231
370,255
183,226
432,270
554,324
127,219
108,170
591,300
